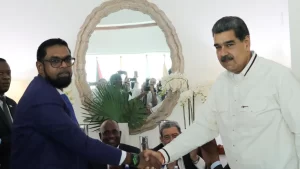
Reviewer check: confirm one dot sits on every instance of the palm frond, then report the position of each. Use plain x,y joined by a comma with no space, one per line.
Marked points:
111,102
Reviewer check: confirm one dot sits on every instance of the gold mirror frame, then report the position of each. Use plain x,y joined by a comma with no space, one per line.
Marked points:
164,24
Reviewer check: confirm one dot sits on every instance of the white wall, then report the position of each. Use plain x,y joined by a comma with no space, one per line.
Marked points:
294,13
128,41
25,24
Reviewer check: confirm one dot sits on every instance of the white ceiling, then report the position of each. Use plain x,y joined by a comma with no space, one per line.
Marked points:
26,24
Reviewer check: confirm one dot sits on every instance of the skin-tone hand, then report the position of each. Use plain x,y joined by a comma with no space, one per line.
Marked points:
150,159
210,152
171,165
194,155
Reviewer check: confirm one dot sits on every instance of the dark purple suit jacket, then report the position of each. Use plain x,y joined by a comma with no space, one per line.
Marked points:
45,137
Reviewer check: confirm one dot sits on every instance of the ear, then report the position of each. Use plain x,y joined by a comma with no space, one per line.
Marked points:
40,67
247,43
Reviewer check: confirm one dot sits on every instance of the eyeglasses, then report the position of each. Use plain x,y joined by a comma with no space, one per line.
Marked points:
57,62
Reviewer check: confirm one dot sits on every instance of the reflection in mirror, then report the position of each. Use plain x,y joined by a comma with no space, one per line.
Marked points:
128,48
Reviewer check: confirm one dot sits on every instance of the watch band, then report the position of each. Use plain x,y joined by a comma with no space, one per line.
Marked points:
135,160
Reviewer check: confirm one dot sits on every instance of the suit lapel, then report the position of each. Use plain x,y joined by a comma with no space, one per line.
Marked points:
3,117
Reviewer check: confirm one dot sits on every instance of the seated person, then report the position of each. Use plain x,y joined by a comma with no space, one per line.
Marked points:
170,130
110,134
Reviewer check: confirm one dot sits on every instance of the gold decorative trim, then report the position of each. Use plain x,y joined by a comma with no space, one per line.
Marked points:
162,21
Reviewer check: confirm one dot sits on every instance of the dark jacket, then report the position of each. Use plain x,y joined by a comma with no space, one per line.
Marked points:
5,134
188,163
45,137
124,147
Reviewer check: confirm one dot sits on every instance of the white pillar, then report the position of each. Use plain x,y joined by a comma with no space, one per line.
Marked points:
294,22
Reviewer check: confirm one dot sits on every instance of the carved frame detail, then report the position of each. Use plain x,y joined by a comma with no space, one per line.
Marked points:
165,25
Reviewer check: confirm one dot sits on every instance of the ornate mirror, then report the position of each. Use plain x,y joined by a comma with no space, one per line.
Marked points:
132,38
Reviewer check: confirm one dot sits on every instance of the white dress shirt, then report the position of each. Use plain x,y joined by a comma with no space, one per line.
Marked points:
180,162
257,114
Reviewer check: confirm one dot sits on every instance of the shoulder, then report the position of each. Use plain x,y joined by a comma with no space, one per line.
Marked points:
274,69
11,101
39,92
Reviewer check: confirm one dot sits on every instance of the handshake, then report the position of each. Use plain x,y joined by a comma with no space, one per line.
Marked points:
149,159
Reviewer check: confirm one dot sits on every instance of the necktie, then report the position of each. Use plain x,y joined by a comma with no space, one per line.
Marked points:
70,107
5,110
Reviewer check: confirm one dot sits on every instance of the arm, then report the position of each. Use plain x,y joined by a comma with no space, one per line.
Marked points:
289,98
52,121
200,132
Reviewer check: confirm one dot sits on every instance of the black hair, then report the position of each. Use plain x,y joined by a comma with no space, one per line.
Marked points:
41,52
2,60
234,23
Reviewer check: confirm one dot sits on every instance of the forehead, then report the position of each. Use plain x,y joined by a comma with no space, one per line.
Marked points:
171,130
224,37
4,66
108,126
57,50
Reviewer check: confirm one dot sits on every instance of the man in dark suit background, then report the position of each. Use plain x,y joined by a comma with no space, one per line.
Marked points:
6,113
206,156
110,134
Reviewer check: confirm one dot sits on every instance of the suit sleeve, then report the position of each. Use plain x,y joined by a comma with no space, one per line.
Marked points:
204,129
51,120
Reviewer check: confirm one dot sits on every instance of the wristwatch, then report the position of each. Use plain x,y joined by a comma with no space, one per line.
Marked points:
135,160
198,158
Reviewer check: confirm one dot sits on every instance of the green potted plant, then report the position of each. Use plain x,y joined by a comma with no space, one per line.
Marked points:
111,102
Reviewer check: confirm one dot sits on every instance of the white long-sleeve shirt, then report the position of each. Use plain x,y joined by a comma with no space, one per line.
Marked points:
257,114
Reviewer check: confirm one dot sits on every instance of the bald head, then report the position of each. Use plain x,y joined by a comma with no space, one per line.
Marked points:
109,123
110,133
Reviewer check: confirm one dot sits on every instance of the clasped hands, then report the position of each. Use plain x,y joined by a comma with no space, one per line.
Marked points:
150,160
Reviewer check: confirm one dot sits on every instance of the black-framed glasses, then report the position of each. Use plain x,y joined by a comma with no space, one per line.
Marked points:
57,62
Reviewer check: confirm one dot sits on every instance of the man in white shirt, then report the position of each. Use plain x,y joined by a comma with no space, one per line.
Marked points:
253,106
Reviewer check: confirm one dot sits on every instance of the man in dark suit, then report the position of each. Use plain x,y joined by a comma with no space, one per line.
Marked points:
45,132
110,134
206,156
6,113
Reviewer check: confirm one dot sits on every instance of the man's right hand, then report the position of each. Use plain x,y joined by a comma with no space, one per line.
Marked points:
149,159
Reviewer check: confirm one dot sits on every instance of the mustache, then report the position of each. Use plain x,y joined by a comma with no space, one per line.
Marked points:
226,58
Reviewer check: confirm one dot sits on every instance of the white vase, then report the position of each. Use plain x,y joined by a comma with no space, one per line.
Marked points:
125,132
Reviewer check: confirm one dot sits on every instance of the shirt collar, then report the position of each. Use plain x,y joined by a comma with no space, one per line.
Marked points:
60,92
249,64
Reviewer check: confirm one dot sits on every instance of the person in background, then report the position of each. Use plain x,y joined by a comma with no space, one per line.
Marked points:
45,132
7,108
253,105
110,134
169,130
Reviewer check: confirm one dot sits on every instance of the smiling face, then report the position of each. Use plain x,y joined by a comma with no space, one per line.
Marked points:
233,54
5,77
56,66
110,133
